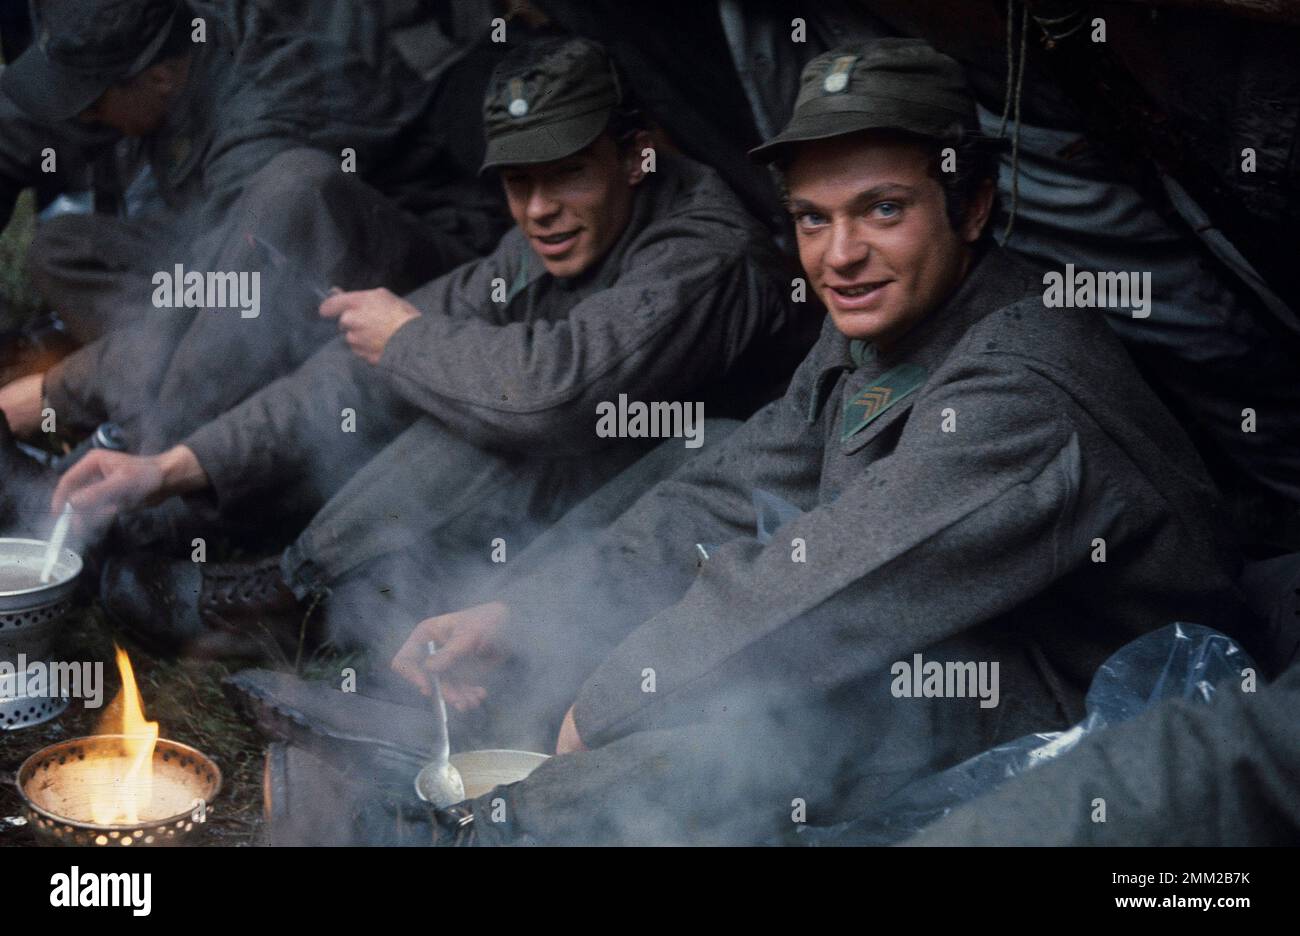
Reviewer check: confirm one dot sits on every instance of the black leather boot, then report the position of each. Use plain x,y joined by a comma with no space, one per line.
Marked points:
210,611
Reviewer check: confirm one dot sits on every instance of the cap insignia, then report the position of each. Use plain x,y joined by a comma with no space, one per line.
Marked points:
518,107
837,79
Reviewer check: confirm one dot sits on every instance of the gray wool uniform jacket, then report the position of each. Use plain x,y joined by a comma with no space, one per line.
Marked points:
690,304
954,498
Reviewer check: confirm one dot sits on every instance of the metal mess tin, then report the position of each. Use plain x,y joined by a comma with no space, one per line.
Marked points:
30,615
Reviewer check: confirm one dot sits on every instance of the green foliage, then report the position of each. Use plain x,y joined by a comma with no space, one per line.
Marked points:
18,302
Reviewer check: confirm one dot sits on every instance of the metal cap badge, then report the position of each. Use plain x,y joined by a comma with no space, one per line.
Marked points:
885,84
547,100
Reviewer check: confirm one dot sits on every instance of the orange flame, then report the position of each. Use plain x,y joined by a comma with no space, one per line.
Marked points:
123,784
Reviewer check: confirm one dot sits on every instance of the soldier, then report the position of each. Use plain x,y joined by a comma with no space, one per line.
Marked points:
630,273
972,477
247,133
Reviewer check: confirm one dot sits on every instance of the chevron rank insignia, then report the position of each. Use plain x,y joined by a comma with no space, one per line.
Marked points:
892,386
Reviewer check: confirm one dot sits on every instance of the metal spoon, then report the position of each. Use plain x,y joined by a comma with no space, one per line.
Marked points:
438,782
55,544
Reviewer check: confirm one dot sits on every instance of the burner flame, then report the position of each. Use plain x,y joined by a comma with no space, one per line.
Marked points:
122,783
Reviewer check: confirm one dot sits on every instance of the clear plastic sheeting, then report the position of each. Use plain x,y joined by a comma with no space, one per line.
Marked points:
1180,661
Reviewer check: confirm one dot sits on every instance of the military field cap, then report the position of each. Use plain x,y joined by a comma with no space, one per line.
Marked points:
547,101
885,84
84,47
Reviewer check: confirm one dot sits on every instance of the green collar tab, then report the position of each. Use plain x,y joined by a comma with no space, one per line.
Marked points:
860,351
873,400
522,278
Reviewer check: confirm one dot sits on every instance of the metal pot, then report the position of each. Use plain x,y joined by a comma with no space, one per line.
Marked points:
483,770
31,613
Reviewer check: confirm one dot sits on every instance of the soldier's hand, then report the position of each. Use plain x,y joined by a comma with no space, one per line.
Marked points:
368,318
105,483
20,402
467,646
569,741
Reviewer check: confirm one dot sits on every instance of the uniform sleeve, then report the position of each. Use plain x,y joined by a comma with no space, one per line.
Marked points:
677,318
949,530
71,387
465,292
289,426
323,419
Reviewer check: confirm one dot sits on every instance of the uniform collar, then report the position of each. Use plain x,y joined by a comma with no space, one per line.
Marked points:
994,281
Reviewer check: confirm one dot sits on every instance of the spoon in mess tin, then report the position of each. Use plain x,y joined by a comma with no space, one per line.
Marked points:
55,544
438,782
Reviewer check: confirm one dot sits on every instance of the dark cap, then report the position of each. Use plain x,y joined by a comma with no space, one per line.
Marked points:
82,48
548,100
885,84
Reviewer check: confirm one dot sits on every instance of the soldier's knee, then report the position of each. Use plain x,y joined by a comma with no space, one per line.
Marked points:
63,248
56,241
292,175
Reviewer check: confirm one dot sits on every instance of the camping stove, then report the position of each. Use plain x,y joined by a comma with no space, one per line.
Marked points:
64,785
30,615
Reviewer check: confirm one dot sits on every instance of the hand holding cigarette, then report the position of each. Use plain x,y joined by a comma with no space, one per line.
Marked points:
368,319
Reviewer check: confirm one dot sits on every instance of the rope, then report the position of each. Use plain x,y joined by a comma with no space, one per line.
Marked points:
1007,106
1006,97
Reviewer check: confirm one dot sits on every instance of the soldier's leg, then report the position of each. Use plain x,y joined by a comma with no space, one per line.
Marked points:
432,502
750,777
310,452
525,720
428,514
335,231
95,270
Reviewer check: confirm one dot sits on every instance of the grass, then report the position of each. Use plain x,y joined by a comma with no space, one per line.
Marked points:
18,302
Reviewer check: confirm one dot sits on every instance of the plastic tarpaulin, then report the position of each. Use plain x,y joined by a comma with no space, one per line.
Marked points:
1179,661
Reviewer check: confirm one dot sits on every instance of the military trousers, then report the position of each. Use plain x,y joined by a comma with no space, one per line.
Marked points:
427,525
95,270
303,226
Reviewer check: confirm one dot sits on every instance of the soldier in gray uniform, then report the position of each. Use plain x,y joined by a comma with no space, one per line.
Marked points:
975,482
623,278
257,141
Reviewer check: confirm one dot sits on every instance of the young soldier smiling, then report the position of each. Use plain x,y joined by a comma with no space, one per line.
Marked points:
955,453
874,231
